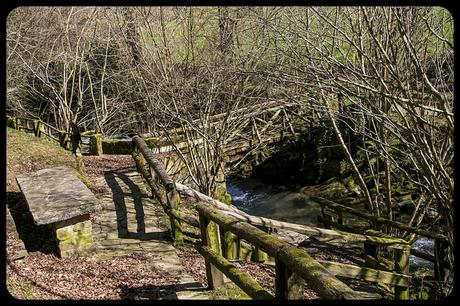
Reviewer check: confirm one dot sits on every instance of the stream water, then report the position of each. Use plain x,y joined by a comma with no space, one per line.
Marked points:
281,203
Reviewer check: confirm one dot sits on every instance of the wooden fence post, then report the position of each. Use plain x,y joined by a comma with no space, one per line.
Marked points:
95,144
339,216
62,139
327,219
288,285
18,124
173,198
258,255
210,237
229,245
38,127
401,265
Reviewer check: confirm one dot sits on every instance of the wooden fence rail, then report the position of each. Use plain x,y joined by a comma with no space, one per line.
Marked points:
293,265
290,258
40,128
180,138
440,240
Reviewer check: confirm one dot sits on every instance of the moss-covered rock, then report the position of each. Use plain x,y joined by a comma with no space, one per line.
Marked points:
117,146
75,239
330,190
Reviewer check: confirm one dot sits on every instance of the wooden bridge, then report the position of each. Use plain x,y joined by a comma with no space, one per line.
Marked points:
225,232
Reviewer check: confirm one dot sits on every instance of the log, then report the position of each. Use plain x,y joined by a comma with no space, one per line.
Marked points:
169,201
317,276
341,227
258,255
18,124
241,279
172,197
229,245
38,128
189,219
242,229
303,229
423,255
95,144
379,264
190,192
368,274
154,163
173,200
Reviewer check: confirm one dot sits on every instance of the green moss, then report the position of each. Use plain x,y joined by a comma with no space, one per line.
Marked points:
95,144
23,291
117,146
229,245
10,122
152,142
349,182
83,178
155,142
245,253
229,291
75,239
225,198
64,234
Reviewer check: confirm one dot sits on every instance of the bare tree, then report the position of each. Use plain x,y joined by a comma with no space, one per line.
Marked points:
392,68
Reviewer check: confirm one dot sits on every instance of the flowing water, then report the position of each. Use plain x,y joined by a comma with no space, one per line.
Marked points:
280,203
276,202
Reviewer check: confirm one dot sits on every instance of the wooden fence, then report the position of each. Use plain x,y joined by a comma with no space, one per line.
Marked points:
222,227
333,215
40,129
255,121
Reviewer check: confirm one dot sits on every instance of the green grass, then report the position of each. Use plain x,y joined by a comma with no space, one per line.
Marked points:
27,153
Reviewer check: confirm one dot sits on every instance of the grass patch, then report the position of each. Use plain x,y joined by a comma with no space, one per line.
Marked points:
27,153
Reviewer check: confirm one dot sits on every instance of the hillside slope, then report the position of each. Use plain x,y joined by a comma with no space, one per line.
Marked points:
27,153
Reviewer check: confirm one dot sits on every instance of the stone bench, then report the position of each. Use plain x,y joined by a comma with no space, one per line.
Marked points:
59,199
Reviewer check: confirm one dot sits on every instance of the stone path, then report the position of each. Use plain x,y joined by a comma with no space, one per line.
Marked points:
130,222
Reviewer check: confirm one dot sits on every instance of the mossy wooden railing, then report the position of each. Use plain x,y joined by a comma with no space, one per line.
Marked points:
218,221
177,137
40,128
97,144
332,215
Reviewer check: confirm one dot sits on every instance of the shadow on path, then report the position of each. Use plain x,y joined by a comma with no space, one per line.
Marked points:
156,291
40,238
121,198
